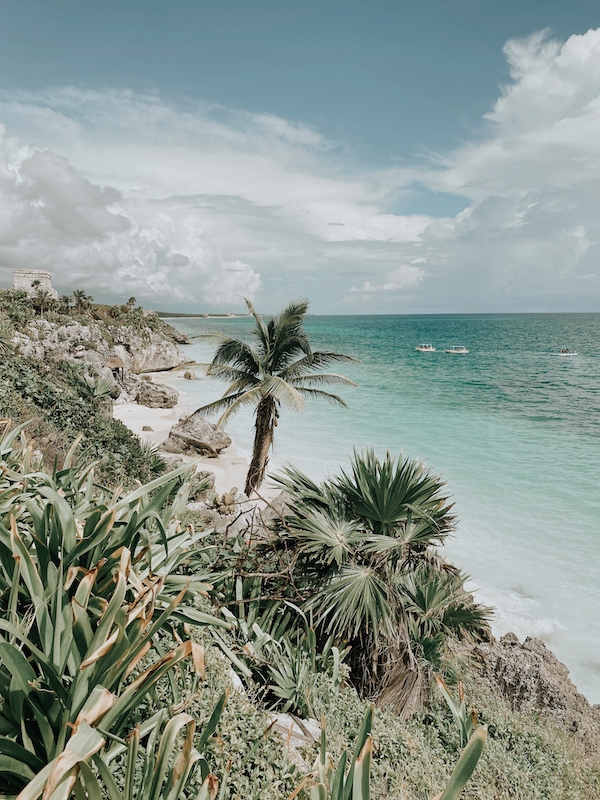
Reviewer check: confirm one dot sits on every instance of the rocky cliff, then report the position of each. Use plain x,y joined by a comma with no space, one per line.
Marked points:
140,351
532,680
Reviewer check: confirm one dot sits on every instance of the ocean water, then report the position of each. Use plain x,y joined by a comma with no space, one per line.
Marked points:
512,427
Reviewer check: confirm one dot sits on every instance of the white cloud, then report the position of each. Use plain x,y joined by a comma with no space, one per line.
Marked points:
208,198
405,276
52,217
195,203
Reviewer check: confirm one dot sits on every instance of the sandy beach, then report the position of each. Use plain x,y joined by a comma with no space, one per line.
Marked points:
229,468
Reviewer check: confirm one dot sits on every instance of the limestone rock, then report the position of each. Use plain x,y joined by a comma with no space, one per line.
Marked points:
140,350
196,435
230,524
148,352
297,735
532,679
190,376
173,460
180,337
156,395
203,485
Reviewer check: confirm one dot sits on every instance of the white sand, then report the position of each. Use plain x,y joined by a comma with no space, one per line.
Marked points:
229,468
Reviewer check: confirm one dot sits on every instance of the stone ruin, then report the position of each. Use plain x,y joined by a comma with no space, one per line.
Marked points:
34,280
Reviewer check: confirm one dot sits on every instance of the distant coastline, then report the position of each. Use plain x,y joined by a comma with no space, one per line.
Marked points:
174,315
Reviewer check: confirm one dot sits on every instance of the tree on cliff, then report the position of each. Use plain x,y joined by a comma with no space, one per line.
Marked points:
82,300
281,369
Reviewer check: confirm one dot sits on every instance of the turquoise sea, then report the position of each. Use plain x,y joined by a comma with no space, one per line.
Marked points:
513,428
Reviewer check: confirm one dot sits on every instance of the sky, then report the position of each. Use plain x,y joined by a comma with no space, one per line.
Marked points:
376,157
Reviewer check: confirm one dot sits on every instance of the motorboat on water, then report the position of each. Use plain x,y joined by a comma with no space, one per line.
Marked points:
457,350
567,352
425,348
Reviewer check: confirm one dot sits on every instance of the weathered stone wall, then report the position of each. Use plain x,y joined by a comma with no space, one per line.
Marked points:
25,278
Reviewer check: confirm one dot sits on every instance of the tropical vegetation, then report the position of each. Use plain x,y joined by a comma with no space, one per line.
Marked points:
116,633
281,369
146,655
353,572
59,399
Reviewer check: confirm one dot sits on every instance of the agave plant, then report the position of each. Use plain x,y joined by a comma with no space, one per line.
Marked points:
464,716
330,783
156,762
465,766
85,589
274,644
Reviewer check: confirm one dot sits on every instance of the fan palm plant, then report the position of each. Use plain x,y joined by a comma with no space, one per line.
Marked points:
365,551
281,369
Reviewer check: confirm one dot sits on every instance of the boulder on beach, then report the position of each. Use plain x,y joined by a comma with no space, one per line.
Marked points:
190,376
196,435
156,395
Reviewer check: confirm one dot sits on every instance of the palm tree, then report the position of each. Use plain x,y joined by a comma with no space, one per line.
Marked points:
43,300
82,300
281,369
365,551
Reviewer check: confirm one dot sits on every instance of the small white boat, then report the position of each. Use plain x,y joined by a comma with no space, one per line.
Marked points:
425,348
567,352
456,350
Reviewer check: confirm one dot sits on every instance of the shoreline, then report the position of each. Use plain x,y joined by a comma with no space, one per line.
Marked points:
229,467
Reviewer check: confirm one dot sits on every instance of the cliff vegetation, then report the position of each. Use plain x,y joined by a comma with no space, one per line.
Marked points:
319,647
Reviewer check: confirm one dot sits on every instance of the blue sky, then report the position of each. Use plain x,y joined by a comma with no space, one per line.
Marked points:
195,152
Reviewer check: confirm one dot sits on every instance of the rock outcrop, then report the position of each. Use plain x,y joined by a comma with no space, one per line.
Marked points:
196,435
140,351
96,346
156,395
147,353
531,679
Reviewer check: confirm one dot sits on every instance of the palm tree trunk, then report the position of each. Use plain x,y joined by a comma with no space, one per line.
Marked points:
266,419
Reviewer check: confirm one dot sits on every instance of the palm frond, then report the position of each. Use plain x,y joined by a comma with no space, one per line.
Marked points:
314,361
438,603
283,392
241,379
303,491
236,353
229,404
288,338
222,404
260,331
414,535
286,349
322,379
354,600
228,373
251,397
321,395
392,492
326,537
